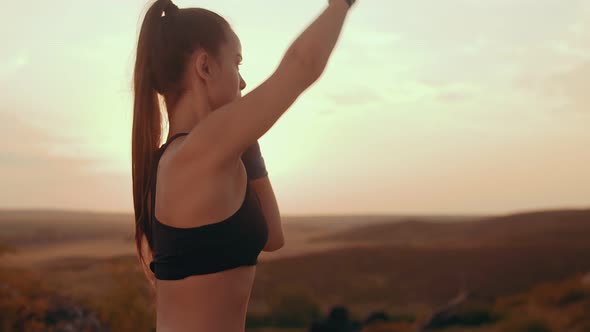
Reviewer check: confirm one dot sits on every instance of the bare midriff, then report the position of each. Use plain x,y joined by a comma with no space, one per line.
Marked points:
215,302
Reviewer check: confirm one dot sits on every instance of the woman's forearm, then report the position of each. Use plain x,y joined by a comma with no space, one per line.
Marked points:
315,44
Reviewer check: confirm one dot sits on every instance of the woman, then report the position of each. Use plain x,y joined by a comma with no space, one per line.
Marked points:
204,222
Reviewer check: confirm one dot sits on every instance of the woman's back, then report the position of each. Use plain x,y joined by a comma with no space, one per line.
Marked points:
214,301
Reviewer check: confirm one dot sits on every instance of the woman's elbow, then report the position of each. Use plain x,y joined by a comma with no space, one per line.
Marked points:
273,245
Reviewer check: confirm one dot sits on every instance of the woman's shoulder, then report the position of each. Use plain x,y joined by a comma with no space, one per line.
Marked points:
198,194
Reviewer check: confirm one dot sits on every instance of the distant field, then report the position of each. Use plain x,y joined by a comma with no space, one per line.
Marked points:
398,264
403,276
48,235
560,227
401,258
101,237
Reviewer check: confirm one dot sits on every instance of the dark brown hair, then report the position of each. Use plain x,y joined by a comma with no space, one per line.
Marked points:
167,39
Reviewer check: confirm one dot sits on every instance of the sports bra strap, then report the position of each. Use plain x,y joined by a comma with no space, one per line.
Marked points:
154,175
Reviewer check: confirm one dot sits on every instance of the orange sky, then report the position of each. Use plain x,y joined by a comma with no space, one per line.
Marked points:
425,107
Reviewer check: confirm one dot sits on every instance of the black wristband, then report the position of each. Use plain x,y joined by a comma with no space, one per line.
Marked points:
254,162
350,3
255,169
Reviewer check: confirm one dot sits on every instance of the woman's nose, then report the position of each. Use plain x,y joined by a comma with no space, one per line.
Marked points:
242,83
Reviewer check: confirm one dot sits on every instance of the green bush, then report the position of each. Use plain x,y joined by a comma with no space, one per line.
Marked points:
573,296
402,318
293,310
466,317
530,326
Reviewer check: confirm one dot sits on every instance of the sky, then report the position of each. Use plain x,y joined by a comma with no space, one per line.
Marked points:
425,107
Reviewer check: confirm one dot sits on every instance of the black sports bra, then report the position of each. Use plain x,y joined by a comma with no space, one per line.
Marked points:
235,241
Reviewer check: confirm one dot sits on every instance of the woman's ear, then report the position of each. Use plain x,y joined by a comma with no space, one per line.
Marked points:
202,66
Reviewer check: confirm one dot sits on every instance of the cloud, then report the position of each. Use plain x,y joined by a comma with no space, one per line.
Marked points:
572,85
568,49
452,96
34,177
13,64
476,47
354,97
563,90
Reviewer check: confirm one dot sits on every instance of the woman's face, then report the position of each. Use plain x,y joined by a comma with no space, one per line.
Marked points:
226,82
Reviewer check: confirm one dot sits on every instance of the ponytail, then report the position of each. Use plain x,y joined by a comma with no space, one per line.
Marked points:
167,39
147,128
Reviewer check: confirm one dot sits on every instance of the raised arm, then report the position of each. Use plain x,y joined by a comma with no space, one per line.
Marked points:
228,131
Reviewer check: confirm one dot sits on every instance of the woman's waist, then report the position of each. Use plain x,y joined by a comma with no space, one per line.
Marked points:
225,288
218,307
